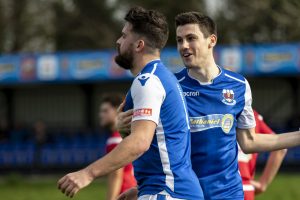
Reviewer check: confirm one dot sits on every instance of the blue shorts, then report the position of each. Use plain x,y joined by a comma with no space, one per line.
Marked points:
157,197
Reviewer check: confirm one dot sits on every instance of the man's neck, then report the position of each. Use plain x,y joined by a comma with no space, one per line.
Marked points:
141,61
205,73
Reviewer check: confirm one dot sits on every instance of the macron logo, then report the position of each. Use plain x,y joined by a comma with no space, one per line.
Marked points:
143,79
191,94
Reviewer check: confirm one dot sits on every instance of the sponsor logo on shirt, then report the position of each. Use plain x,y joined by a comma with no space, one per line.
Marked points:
142,112
228,97
225,122
143,79
191,94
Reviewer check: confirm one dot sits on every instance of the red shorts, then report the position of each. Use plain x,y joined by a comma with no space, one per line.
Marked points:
249,195
249,191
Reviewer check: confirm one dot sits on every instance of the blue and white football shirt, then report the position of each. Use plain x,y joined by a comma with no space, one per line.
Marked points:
165,168
215,111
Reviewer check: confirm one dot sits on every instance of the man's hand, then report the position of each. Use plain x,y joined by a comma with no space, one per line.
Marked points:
130,194
71,183
123,119
259,187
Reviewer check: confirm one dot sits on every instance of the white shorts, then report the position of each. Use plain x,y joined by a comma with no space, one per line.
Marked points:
157,197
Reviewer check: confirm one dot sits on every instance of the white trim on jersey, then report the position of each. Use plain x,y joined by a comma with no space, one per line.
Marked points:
181,79
184,106
155,197
164,156
154,68
113,140
246,120
234,78
248,187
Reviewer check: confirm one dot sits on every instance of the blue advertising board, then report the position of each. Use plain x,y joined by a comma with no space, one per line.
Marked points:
9,68
253,60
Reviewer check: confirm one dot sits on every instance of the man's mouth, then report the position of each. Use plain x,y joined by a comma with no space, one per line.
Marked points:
186,55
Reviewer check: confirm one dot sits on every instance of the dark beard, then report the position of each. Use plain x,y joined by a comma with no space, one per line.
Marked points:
125,61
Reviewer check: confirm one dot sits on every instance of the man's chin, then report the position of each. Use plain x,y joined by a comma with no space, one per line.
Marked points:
188,65
122,62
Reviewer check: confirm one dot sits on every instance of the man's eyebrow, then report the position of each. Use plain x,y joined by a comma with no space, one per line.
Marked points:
188,35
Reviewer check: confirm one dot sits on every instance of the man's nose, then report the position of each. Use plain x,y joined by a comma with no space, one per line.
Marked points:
184,45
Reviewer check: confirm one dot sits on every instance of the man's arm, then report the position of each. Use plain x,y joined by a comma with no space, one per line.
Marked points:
273,164
133,146
251,142
114,181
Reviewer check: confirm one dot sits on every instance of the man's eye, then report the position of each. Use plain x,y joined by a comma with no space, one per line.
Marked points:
191,38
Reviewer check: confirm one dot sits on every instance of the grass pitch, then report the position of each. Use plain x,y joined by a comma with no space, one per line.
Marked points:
284,187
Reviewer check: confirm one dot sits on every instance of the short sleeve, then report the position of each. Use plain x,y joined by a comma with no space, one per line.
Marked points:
148,95
246,119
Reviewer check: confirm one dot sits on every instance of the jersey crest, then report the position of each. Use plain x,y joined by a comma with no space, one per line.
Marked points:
228,97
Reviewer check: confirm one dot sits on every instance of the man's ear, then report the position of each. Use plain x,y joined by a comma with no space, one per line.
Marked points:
140,45
212,41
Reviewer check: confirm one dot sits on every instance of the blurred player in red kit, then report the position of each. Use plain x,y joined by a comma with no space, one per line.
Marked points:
120,180
247,164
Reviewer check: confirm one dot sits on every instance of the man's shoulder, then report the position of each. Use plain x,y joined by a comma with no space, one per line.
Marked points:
233,76
155,76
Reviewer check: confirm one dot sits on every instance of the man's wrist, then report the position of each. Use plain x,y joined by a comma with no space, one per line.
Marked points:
263,185
90,172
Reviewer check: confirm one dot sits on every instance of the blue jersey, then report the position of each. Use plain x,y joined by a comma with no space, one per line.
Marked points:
216,110
166,167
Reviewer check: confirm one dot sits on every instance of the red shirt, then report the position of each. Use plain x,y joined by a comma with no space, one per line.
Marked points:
247,162
128,177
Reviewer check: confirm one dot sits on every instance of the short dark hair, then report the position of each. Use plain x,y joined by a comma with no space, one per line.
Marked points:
206,24
149,23
114,99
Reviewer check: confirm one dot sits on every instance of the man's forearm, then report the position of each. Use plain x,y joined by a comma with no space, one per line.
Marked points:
272,166
264,142
251,142
126,152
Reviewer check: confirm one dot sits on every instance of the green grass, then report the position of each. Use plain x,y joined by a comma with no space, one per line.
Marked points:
45,188
285,187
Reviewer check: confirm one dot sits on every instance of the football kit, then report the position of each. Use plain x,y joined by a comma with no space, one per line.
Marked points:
216,109
164,171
